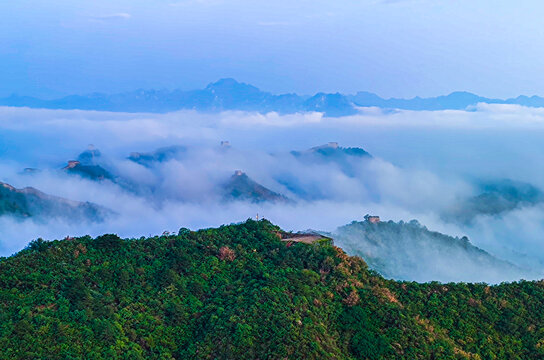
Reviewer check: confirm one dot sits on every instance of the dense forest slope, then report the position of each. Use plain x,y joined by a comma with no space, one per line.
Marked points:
239,292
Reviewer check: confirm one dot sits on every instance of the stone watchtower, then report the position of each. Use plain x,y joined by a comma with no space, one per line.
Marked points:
372,219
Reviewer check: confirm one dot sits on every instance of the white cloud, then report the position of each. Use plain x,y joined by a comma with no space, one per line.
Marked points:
113,16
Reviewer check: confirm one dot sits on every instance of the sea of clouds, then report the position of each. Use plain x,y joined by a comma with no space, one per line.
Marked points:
423,162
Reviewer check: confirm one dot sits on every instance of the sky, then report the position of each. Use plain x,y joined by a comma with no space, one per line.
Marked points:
395,48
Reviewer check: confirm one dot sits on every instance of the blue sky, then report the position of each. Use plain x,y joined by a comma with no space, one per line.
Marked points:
397,48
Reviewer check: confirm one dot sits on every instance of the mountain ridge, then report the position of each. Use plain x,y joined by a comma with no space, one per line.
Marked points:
229,94
30,202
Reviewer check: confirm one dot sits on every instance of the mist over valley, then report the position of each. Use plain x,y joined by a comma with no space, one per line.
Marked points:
149,173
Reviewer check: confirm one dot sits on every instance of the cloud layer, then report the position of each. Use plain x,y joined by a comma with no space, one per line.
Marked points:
423,163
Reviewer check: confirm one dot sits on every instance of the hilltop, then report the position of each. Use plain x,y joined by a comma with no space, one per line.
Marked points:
410,251
240,292
242,187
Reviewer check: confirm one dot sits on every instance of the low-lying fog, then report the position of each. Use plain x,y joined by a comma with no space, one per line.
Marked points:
423,165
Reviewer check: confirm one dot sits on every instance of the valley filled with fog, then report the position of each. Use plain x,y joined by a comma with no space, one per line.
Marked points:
473,173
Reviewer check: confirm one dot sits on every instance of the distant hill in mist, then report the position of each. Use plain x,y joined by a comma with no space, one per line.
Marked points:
330,152
409,251
229,94
160,155
242,187
91,165
494,198
30,202
93,172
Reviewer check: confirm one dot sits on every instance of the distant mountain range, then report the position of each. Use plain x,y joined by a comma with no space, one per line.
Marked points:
229,94
402,251
91,165
491,197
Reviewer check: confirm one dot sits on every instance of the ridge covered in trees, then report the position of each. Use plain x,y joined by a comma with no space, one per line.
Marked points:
239,292
409,251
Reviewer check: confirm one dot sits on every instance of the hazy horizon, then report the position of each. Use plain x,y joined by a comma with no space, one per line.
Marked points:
51,96
75,47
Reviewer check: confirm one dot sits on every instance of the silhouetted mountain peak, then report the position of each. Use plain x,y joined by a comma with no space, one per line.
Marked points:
330,104
90,156
242,187
7,186
330,145
93,172
159,155
332,150
231,85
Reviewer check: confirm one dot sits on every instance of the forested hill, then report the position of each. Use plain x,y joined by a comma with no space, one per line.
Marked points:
410,251
239,292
